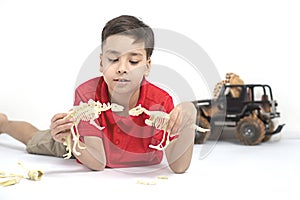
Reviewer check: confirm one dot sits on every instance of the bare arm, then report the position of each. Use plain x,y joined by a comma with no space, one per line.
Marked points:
179,152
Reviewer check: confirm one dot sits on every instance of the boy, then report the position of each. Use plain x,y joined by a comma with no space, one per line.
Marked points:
125,61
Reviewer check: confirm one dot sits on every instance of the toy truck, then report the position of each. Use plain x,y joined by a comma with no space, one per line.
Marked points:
249,108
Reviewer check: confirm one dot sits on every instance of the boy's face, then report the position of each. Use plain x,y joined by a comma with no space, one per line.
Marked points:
124,64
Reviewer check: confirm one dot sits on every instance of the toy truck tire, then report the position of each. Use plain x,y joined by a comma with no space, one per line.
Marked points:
250,130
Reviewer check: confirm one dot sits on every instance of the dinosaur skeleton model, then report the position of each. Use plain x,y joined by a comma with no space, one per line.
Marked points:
85,112
159,120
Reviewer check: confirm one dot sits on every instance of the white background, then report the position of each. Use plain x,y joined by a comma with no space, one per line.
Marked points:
43,45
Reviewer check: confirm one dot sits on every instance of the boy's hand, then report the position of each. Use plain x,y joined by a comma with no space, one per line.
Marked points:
60,127
182,116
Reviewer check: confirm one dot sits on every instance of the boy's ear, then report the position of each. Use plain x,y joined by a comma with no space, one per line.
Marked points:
148,67
101,66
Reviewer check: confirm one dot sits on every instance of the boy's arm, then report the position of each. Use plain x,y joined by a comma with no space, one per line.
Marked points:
93,156
179,152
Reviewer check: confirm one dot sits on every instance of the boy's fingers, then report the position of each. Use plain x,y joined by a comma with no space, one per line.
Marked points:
58,116
59,119
181,117
64,127
60,132
174,122
56,129
61,137
177,126
60,127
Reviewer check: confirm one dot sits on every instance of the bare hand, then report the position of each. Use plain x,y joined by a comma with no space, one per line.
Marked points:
60,127
182,116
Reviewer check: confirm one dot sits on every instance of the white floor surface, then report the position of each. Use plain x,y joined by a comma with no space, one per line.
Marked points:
222,170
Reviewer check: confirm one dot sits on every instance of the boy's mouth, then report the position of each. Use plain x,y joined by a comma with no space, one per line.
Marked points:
121,80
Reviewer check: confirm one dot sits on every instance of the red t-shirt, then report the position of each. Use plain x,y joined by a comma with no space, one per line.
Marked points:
126,139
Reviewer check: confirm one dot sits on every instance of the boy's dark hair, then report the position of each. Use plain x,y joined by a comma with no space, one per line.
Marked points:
130,26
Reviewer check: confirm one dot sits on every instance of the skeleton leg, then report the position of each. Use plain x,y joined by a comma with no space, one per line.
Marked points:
160,146
76,140
160,121
68,148
92,122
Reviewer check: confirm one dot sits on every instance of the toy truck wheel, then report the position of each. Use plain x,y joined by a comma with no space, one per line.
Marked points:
200,138
250,130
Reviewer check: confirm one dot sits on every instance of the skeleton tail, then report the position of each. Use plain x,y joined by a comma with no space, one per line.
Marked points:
200,129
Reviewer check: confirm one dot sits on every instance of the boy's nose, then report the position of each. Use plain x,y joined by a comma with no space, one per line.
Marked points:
122,68
122,71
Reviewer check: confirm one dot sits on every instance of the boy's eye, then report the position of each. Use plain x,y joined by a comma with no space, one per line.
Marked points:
134,62
112,59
